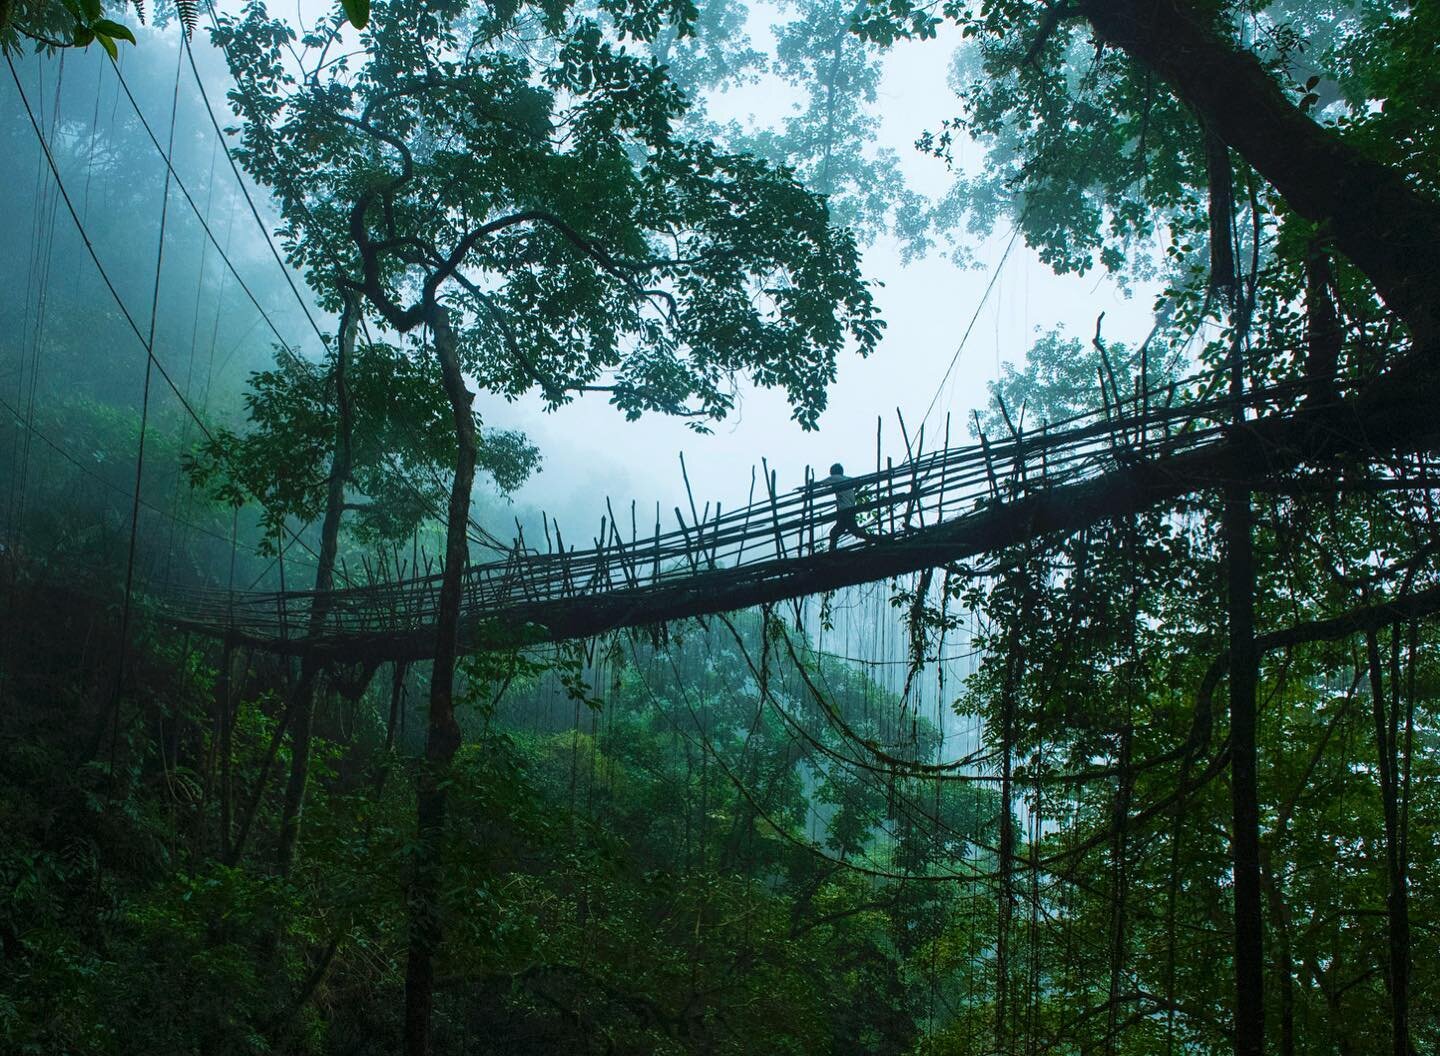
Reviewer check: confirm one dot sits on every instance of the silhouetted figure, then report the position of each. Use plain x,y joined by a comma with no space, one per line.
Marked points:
846,508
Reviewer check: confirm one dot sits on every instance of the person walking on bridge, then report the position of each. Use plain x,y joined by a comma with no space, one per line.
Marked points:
846,508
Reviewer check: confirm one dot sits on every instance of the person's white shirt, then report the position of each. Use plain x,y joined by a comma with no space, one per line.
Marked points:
844,490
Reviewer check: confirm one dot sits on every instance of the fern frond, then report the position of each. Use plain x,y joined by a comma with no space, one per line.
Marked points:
189,14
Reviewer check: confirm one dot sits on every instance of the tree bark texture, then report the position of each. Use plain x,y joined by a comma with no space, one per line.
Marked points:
1323,333
397,700
1006,907
1387,229
1220,180
442,738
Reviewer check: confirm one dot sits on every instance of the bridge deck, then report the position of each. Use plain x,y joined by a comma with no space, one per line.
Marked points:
930,509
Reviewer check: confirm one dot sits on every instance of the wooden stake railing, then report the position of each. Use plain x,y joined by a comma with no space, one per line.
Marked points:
943,485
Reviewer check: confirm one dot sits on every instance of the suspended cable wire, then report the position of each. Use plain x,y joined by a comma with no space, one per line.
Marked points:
151,359
477,533
99,478
974,318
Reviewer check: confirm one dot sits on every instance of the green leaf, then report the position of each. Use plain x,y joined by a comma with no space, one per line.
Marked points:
357,11
114,30
83,37
108,45
91,8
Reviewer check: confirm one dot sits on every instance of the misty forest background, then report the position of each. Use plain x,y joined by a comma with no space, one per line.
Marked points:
1070,796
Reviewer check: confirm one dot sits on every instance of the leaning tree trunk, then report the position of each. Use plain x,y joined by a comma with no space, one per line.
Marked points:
443,735
1391,232
302,703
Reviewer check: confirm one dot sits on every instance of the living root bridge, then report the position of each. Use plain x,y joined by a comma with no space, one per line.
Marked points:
1392,415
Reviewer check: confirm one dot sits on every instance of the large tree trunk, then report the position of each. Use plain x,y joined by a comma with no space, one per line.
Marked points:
443,735
1244,783
1324,335
302,703
1006,855
1219,178
1396,896
1284,956
1390,232
1245,838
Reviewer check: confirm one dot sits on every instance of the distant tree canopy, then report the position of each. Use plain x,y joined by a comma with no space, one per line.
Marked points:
585,242
399,443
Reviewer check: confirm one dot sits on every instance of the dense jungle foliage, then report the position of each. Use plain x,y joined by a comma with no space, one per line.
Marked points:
1184,796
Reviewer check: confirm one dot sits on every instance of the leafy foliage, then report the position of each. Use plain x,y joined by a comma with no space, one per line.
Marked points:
399,445
587,244
603,888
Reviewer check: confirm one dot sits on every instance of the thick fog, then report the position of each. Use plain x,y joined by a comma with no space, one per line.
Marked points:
589,450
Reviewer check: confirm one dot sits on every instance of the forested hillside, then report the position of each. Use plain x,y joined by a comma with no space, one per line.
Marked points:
1093,709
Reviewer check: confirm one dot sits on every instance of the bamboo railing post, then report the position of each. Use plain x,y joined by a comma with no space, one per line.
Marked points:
910,461
1104,393
1044,456
985,451
715,536
808,509
602,563
890,493
525,571
685,475
1142,412
1017,469
878,422
625,567
689,553
774,510
567,585
745,525
944,463
915,477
